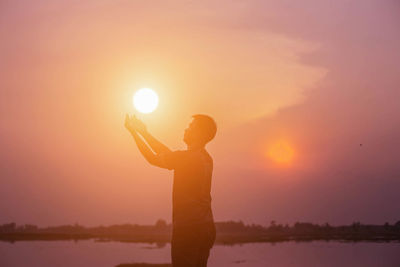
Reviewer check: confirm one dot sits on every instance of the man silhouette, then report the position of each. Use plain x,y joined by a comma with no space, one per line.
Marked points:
193,232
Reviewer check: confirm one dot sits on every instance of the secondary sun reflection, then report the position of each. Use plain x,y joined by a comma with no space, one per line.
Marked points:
280,152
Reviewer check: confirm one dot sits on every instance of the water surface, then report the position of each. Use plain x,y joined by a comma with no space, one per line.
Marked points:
285,254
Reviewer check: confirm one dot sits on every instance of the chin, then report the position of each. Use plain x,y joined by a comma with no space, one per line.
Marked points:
185,141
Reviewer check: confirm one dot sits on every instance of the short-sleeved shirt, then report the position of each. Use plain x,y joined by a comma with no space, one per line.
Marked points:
191,194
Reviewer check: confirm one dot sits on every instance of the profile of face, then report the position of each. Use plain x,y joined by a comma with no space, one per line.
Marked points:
200,131
191,135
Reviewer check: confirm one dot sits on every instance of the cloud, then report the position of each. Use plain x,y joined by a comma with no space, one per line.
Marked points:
346,132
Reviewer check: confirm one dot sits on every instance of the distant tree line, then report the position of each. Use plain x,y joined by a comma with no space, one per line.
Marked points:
228,232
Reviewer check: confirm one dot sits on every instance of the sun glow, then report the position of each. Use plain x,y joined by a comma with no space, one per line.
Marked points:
145,100
281,152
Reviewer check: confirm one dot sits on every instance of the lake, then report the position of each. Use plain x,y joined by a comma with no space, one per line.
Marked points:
90,253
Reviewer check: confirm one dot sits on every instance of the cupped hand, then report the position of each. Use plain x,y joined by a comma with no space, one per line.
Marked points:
128,123
138,124
134,124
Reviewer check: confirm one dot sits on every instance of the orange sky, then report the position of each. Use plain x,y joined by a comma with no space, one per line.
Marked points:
320,79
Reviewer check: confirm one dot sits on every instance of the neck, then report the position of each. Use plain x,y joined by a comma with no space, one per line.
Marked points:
195,146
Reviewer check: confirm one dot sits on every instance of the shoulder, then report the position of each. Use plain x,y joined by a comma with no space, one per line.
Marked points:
172,159
201,157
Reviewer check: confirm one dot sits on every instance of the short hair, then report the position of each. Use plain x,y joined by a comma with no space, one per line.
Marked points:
207,126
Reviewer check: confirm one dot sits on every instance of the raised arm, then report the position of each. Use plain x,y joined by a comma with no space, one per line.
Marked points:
144,149
156,145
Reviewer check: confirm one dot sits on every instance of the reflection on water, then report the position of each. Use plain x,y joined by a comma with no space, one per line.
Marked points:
286,254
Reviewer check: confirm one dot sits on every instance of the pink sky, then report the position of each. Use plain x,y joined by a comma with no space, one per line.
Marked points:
322,77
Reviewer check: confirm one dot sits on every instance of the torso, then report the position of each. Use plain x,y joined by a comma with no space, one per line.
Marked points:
192,188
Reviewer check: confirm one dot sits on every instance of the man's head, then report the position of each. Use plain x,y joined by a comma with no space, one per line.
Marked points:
201,130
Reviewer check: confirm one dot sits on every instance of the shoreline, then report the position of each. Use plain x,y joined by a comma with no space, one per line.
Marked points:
222,239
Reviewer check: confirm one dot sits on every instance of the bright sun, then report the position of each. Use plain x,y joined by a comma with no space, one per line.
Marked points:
145,100
281,152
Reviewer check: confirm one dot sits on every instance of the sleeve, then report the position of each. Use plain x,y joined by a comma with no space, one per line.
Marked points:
170,160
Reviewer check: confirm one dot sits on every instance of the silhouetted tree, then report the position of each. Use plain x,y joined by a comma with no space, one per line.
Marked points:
386,226
356,226
8,227
161,224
